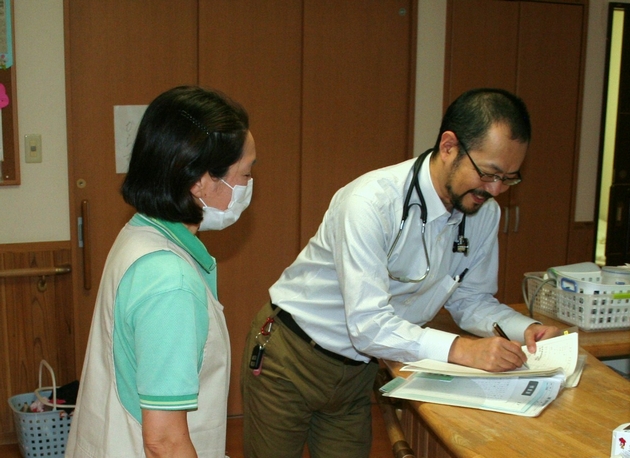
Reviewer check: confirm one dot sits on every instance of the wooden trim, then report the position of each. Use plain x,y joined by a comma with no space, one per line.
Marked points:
572,2
413,57
448,40
580,110
11,167
34,246
424,442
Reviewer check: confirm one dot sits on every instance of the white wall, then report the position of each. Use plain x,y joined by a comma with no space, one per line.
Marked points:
429,73
37,210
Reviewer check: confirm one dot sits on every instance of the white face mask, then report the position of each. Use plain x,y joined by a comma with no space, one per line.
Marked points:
215,219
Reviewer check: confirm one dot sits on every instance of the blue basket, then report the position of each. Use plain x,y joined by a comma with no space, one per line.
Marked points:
42,434
39,434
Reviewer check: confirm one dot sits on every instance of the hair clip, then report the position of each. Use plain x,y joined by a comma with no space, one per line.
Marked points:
200,126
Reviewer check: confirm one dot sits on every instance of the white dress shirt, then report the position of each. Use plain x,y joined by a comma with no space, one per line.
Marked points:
338,289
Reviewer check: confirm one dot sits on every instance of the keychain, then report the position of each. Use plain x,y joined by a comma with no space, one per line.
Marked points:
258,353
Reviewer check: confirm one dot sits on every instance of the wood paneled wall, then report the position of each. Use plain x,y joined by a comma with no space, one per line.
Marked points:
36,322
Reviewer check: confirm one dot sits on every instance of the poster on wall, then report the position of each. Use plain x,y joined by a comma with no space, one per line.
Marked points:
4,102
6,35
126,121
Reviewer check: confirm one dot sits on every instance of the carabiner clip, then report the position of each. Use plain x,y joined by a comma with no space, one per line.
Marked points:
265,330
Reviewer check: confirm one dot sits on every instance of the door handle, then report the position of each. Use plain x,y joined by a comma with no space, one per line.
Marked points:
84,236
517,218
506,224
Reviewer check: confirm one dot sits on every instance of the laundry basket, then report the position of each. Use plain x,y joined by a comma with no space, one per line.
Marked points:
41,434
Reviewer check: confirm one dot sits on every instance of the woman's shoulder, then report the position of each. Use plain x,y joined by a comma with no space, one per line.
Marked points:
164,270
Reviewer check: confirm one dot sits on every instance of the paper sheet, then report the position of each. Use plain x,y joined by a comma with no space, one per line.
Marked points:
559,351
517,396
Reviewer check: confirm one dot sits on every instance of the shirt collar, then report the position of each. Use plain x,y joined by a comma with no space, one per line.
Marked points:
181,236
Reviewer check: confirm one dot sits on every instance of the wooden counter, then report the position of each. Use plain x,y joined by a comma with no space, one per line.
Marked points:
578,423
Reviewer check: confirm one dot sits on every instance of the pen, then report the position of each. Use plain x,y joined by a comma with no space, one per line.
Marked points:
460,277
501,333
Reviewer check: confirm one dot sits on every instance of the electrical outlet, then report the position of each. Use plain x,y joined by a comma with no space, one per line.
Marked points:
33,148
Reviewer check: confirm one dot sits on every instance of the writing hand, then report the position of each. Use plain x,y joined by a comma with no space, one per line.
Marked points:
494,354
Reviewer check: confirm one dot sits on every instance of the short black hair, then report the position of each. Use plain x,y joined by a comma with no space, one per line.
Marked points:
474,112
184,133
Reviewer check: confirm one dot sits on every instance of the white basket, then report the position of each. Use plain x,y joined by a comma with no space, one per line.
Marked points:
574,285
606,311
41,434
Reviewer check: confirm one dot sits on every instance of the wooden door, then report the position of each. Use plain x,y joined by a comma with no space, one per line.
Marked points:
482,44
329,89
117,53
549,80
252,51
533,49
357,95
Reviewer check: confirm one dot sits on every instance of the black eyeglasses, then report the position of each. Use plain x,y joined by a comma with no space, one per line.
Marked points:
491,177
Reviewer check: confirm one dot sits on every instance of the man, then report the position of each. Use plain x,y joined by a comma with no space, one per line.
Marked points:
395,246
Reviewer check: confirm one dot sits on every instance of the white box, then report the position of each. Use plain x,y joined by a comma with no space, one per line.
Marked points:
621,442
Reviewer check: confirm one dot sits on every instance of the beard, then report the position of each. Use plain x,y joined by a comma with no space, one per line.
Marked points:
458,199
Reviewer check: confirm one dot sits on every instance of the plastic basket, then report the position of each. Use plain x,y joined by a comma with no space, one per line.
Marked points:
607,311
41,434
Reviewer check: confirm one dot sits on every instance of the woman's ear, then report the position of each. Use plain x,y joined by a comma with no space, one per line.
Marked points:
200,188
195,190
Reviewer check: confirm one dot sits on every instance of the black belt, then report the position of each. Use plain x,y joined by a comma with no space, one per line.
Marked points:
289,322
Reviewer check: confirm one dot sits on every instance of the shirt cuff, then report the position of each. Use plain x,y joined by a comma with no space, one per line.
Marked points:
516,325
436,344
168,402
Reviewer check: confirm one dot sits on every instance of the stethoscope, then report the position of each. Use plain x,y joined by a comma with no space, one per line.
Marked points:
459,246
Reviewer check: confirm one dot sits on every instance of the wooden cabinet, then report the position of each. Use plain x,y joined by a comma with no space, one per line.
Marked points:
536,50
328,85
359,67
329,89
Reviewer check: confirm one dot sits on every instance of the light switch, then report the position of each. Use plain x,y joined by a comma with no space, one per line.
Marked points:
33,148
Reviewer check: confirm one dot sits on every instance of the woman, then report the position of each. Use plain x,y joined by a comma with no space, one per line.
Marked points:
155,377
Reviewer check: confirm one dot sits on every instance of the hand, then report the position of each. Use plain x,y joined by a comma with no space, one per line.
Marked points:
536,332
494,354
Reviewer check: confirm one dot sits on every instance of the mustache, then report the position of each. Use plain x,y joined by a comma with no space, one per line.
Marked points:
480,193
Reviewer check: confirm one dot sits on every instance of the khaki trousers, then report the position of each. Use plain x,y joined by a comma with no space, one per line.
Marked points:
304,397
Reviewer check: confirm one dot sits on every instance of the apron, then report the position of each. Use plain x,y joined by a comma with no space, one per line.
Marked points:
101,427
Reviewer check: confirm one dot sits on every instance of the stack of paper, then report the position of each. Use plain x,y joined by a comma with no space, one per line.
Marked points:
525,392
